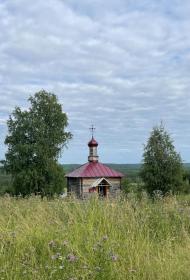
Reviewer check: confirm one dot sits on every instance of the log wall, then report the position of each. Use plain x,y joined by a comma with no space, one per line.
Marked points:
113,190
80,186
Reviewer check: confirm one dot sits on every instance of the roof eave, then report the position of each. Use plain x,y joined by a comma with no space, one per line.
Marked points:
100,176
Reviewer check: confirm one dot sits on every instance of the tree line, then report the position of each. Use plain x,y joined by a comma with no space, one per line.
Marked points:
36,137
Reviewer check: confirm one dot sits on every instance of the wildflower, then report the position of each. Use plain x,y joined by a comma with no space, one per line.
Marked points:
13,234
105,237
52,244
65,242
71,258
97,246
56,256
114,258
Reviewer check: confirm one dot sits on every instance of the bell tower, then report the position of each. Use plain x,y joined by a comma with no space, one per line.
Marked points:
93,144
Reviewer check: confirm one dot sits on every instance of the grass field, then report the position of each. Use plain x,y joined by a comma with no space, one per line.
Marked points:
96,239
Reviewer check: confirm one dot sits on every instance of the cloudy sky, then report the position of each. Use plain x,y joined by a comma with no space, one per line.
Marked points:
122,65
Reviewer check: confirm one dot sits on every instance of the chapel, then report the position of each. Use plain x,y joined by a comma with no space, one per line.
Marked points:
94,177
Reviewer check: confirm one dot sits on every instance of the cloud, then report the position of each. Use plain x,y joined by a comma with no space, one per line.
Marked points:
123,65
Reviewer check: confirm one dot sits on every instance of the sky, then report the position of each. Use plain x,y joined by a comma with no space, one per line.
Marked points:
122,65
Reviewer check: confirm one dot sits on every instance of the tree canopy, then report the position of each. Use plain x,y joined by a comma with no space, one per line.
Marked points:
162,167
35,141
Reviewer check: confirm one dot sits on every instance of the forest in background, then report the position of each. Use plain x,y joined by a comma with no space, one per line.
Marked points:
130,171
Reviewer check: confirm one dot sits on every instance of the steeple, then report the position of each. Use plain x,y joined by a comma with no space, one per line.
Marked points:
93,144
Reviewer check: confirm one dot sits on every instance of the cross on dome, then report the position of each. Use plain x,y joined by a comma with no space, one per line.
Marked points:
93,144
92,128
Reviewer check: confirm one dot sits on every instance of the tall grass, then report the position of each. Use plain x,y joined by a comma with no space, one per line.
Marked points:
72,239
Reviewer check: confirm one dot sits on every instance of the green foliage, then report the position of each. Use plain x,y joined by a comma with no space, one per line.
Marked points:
126,185
186,176
162,166
116,240
35,140
131,170
131,186
5,182
186,181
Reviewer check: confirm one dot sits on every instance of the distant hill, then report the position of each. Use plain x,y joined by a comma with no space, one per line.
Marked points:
187,166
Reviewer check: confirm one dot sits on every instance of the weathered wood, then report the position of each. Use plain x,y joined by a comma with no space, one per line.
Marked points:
82,186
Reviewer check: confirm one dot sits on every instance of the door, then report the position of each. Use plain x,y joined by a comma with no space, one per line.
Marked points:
102,188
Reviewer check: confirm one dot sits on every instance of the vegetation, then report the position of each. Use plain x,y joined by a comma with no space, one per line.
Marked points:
131,183
5,182
35,139
71,239
162,167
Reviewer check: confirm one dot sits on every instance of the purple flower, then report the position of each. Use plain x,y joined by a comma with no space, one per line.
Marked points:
71,258
114,258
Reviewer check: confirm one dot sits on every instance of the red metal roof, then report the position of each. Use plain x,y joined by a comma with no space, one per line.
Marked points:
94,169
92,142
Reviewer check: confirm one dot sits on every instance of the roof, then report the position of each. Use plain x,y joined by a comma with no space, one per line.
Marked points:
93,142
94,170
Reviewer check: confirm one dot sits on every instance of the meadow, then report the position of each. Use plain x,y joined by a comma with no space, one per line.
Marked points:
125,238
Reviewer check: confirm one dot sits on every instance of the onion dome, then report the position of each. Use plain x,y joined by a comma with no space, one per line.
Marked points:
93,143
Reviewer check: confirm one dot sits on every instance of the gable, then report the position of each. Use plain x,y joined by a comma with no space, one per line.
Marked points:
100,180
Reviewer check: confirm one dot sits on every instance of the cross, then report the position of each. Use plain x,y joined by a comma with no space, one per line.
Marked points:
92,128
